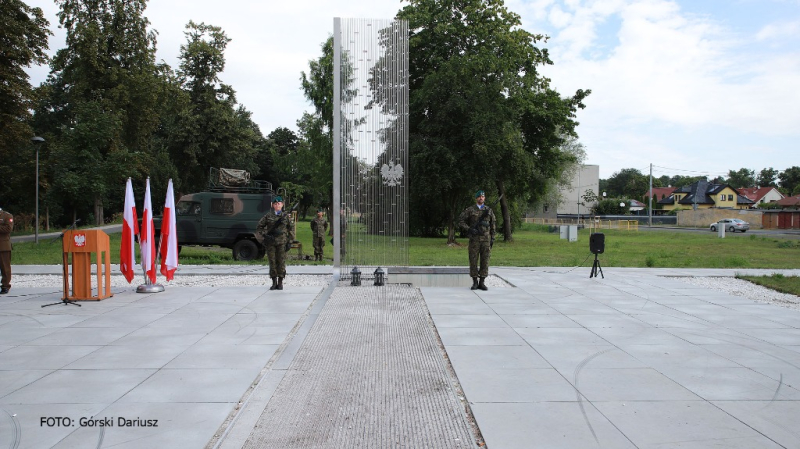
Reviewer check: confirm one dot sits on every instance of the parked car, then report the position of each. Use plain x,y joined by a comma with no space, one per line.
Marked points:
731,225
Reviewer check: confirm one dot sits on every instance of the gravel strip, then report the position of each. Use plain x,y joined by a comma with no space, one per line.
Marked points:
238,280
118,281
746,289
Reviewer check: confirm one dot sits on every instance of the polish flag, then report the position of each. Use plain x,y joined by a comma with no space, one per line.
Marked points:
147,243
130,227
169,236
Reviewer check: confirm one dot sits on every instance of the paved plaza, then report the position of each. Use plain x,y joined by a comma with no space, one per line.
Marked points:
552,359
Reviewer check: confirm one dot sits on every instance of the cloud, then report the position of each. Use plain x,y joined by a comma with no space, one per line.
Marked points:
669,66
776,31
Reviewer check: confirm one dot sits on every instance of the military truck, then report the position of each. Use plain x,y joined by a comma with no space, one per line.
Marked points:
225,215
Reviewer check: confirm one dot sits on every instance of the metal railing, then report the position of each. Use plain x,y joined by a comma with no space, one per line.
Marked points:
588,223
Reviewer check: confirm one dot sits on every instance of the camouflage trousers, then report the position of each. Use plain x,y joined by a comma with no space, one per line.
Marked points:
319,243
277,260
479,249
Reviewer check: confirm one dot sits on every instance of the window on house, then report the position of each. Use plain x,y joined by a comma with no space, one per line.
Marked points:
730,197
722,197
545,207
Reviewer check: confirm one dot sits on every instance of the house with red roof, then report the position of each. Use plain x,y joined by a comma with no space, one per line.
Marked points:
791,201
659,193
760,195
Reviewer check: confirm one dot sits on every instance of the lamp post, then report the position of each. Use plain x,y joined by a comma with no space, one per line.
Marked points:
36,142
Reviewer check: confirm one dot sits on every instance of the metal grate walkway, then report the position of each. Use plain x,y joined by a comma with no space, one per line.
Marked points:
370,374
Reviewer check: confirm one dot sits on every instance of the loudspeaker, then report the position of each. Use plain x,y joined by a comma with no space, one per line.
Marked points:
597,243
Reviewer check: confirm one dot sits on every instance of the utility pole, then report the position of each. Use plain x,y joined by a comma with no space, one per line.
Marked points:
650,209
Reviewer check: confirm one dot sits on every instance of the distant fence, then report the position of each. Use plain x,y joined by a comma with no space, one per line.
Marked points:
588,223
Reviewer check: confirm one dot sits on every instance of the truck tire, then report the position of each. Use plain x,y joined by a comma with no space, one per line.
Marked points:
245,250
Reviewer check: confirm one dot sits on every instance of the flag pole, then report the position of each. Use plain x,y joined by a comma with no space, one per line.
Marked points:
149,286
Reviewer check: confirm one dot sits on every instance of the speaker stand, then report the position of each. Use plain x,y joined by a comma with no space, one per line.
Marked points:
596,266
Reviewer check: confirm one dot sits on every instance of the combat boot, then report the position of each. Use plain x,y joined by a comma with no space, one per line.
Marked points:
482,286
274,284
474,284
280,283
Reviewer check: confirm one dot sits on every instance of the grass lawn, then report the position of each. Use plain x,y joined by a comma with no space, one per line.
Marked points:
777,281
532,246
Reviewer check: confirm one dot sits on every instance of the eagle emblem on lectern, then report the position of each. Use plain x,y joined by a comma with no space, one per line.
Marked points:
391,174
80,239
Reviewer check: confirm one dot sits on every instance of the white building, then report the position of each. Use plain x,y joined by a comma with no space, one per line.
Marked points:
571,198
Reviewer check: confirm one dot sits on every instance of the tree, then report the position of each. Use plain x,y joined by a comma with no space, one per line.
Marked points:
317,129
790,180
481,116
589,197
629,183
213,130
766,177
611,206
741,178
100,107
24,41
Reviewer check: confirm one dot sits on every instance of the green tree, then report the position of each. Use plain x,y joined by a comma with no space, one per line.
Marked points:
741,178
213,131
790,180
24,41
629,183
481,116
99,105
767,177
316,129
611,206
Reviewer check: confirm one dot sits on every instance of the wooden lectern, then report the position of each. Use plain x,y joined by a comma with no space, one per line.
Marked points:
81,245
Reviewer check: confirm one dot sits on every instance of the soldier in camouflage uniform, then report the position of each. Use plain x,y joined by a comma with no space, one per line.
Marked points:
277,231
319,227
478,223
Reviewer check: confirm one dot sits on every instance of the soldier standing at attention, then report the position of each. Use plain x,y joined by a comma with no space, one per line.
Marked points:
278,233
6,226
478,222
319,227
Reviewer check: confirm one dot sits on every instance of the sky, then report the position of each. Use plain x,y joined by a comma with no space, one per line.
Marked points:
691,87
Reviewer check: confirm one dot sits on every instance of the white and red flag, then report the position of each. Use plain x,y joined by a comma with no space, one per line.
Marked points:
147,243
130,227
169,236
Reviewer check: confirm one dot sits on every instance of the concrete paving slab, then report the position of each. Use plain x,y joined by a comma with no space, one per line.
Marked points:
628,384
494,357
515,385
559,336
35,357
457,336
222,355
192,385
735,384
775,419
66,386
681,424
470,321
556,425
567,359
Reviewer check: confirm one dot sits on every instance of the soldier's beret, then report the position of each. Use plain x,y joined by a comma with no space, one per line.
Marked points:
277,199
321,209
480,193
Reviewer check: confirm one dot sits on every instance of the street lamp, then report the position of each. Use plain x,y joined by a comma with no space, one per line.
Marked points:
36,142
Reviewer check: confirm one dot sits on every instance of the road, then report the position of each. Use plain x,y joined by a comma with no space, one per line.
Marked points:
109,229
